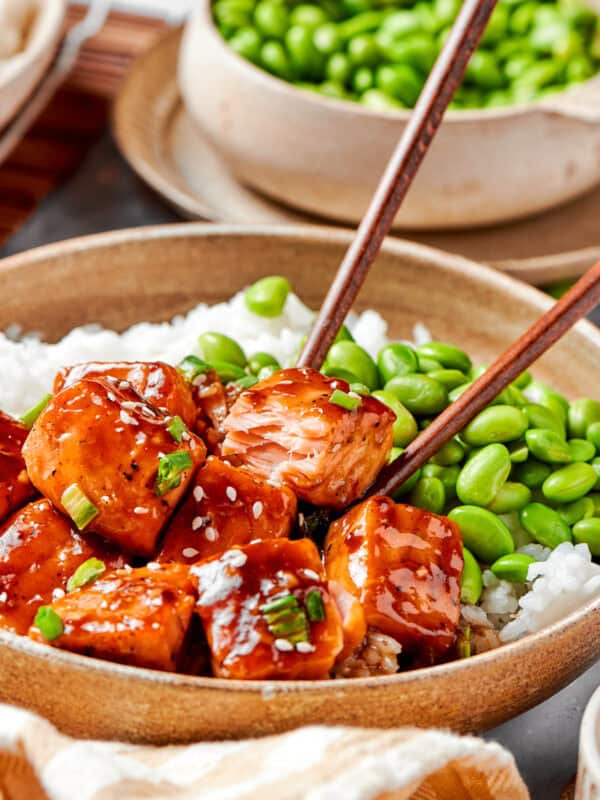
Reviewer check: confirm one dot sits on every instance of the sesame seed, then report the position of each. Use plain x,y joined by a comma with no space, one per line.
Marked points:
284,645
189,552
199,494
311,575
257,509
231,494
211,534
3,597
127,419
140,438
305,647
111,397
58,593
197,523
124,384
140,510
153,566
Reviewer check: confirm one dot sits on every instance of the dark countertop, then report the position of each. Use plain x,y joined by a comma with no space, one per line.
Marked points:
105,194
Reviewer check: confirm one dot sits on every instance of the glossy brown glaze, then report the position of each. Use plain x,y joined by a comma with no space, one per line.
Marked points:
158,383
138,617
103,436
287,430
15,488
213,401
404,565
231,590
39,551
226,506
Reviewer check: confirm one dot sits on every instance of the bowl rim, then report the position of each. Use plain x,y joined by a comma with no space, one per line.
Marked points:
203,13
323,235
589,738
47,25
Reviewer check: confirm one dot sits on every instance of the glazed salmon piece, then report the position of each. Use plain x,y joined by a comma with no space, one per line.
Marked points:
98,442
404,565
267,612
158,383
39,551
134,616
227,506
286,430
213,402
15,487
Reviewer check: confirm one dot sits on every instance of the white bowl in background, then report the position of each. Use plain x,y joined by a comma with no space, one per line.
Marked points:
325,155
588,773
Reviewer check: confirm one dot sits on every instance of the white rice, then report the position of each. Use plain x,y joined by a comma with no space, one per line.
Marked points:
562,580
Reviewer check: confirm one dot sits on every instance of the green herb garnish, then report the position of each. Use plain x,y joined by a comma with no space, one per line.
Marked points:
177,428
49,624
81,510
286,619
170,468
360,388
314,606
247,382
192,366
86,573
344,400
30,416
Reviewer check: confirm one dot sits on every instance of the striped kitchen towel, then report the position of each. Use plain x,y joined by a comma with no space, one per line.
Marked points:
314,763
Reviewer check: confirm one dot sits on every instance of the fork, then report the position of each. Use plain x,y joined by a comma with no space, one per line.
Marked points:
64,62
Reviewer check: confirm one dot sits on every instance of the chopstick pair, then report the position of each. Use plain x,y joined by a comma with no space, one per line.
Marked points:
404,164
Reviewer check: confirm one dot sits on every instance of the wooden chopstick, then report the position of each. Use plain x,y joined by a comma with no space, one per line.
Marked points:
438,91
577,302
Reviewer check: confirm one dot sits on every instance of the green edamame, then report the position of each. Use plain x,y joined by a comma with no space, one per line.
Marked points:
512,567
407,486
574,512
216,347
450,378
548,446
396,359
484,534
419,393
545,525
348,358
259,360
582,413
532,473
483,475
587,531
429,493
593,435
581,449
498,423
471,585
405,426
569,483
271,18
450,357
451,453
540,416
510,497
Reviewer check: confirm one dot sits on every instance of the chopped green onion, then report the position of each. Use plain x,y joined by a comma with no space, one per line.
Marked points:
86,573
227,371
247,382
314,606
177,428
344,400
464,643
170,468
289,601
81,510
360,388
30,416
192,366
49,624
294,623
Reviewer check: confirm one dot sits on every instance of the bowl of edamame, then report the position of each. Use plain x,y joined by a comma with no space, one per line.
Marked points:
306,102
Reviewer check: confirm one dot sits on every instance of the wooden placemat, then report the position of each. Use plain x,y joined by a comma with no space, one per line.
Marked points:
75,118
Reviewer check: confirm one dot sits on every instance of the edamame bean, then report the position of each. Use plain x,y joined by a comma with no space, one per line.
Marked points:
379,101
267,371
307,63
429,493
274,59
545,525
419,393
484,534
518,451
405,426
400,81
259,360
595,463
271,19
407,486
327,39
450,378
471,585
247,382
532,473
500,423
347,357
309,15
396,359
547,446
510,497
215,347
451,453
520,536
569,483
363,51
573,512
419,50
401,23
545,396
593,434
247,42
428,364
450,357
483,70
363,80
512,567
582,413
542,417
581,449
338,68
483,475
455,393
587,531
523,380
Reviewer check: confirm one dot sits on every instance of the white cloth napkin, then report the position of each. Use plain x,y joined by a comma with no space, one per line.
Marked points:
312,763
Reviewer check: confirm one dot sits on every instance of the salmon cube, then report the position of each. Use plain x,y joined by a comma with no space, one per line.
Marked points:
15,488
267,612
288,430
158,383
138,617
213,402
404,565
39,552
99,446
227,506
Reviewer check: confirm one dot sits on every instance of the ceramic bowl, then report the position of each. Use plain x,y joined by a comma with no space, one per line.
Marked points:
588,772
152,274
20,74
325,156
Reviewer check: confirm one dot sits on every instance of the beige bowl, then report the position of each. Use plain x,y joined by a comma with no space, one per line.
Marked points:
20,74
125,277
325,156
588,772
